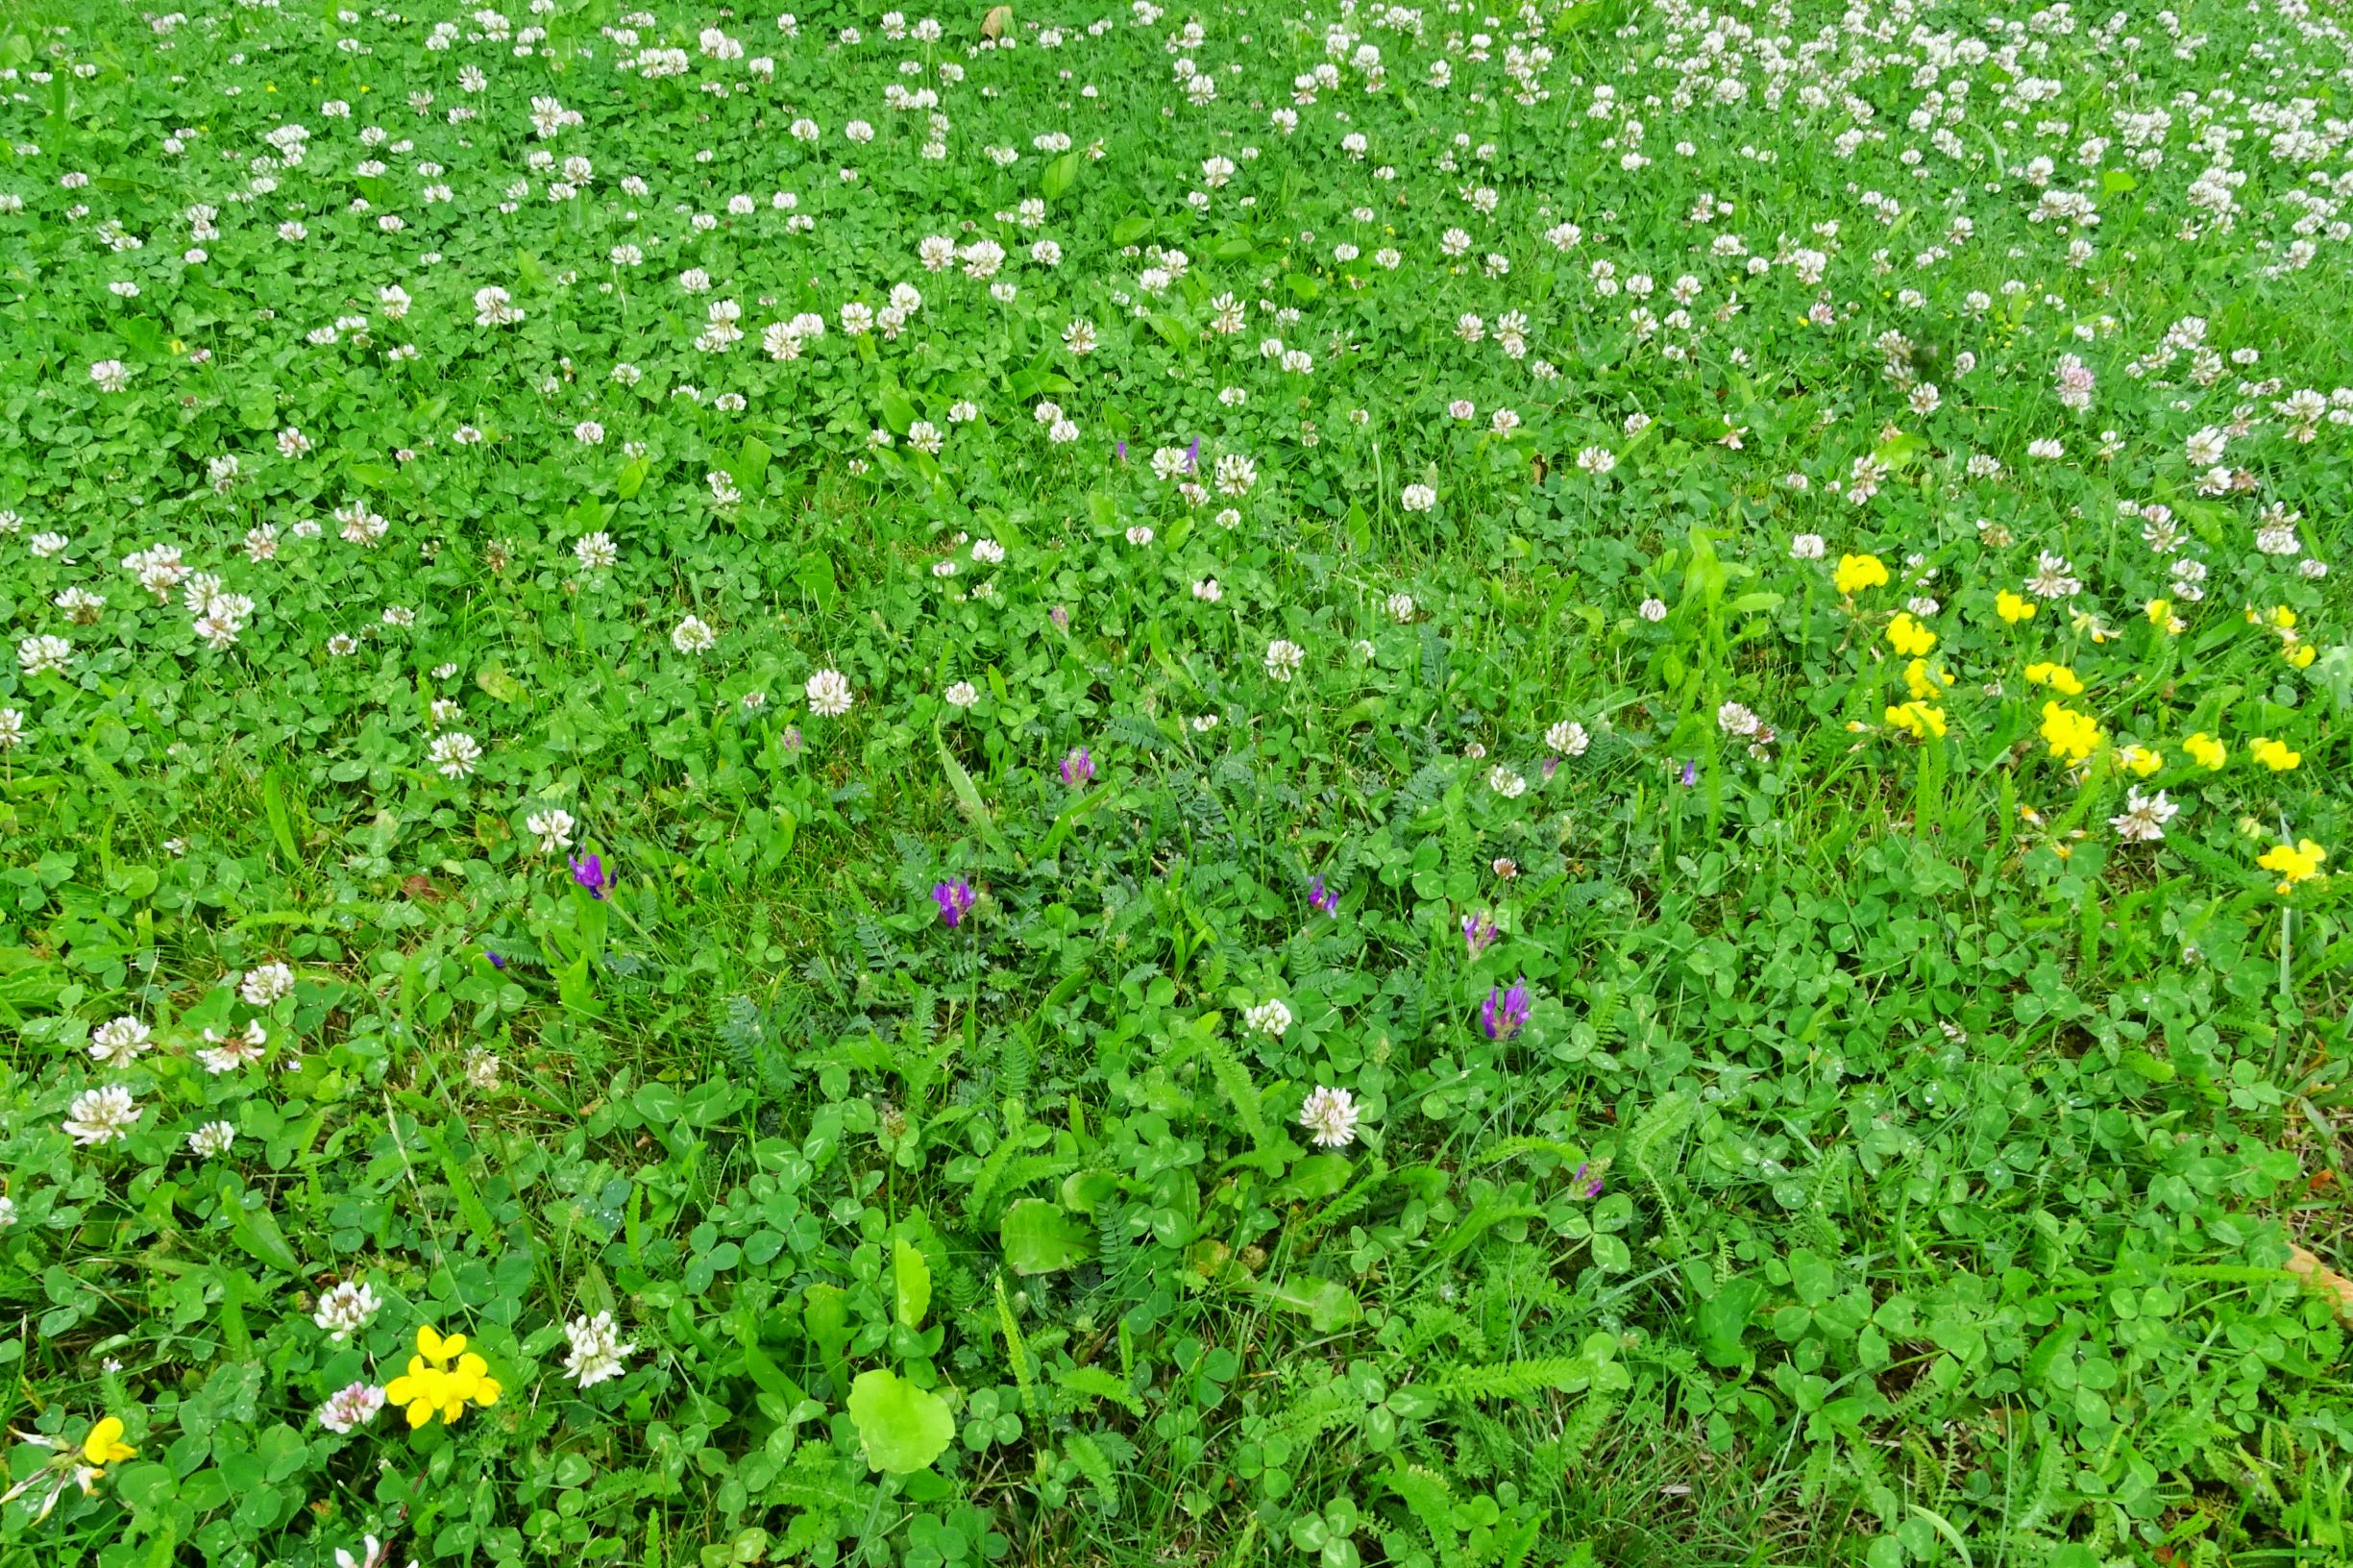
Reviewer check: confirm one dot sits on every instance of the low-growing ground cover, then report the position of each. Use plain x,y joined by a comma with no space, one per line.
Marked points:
1342,785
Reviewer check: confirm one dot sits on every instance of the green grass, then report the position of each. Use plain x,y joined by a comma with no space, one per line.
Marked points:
1895,1162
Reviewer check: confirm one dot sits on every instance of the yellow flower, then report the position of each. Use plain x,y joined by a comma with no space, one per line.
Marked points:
2274,754
2057,676
2161,616
431,1383
1909,637
1924,682
1922,719
2205,750
105,1444
1856,573
2301,655
2012,608
2283,617
2141,760
2072,735
2299,862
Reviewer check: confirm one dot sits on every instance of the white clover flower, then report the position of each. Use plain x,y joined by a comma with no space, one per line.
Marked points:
1400,607
101,1116
453,755
120,1042
211,1139
1806,547
963,694
348,1409
1269,1018
226,1053
829,694
45,654
693,635
553,828
596,1351
595,552
1284,658
266,983
346,1309
1330,1116
2144,818
1417,498
1506,783
1568,738
1654,610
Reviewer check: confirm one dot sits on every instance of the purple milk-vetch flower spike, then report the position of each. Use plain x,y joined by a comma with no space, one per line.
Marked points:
1123,454
1077,767
1321,899
588,870
1691,773
954,899
496,962
1478,933
1552,765
1192,457
1505,1012
1061,617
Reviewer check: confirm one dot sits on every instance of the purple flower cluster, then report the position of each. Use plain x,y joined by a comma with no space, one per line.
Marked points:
1322,900
1505,1012
955,900
1478,933
588,870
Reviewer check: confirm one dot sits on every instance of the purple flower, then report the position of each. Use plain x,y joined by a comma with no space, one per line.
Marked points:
1478,933
1061,617
1077,767
954,899
1552,765
792,737
1505,1011
1691,773
1593,1189
1322,900
588,870
1123,454
1192,457
496,962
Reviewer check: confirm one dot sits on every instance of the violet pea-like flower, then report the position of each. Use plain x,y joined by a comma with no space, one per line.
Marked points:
1505,1012
954,899
588,870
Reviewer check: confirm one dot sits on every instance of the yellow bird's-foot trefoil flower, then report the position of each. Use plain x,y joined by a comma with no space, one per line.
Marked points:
443,1377
2299,862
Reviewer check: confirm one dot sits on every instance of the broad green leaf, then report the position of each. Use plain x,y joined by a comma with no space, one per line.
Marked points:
255,1230
1327,1304
1062,174
1039,1239
912,1278
815,575
967,794
1720,1319
901,1427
